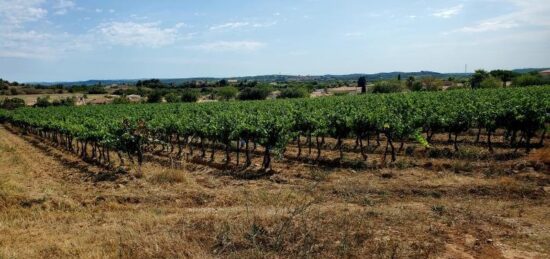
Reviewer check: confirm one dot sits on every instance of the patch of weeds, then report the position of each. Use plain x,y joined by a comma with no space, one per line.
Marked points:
319,175
366,201
403,164
440,153
459,167
471,154
436,194
438,209
168,176
258,236
387,175
506,156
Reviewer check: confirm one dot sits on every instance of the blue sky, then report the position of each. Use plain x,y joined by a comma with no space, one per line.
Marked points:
61,40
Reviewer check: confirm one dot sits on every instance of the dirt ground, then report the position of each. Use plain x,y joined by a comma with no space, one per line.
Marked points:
52,205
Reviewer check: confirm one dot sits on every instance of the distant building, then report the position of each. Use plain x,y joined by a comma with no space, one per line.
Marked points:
545,72
232,81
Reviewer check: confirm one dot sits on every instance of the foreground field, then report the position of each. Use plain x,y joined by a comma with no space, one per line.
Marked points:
53,205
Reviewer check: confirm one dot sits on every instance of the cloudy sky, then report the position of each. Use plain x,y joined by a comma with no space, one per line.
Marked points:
60,40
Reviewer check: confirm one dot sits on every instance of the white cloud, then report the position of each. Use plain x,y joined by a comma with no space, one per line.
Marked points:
231,46
490,25
236,25
17,12
98,10
137,34
63,6
528,13
448,12
229,25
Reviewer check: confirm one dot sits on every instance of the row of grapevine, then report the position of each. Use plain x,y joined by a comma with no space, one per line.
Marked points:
135,129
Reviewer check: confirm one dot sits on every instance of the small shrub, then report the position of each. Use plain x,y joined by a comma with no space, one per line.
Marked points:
491,82
254,93
295,92
168,177
12,103
438,209
227,93
390,86
172,98
189,96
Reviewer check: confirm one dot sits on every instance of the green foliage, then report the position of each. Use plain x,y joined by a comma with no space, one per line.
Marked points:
273,124
478,77
97,90
256,93
362,83
530,80
295,92
121,100
43,101
12,103
227,93
390,86
491,82
189,96
503,75
155,97
432,84
172,97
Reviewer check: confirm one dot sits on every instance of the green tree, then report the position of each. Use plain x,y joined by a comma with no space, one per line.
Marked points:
227,92
431,83
254,93
362,83
12,103
223,83
294,92
389,86
155,97
504,75
189,96
478,77
43,101
410,83
172,97
491,82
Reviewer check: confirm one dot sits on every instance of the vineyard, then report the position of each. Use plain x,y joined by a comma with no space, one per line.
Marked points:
350,126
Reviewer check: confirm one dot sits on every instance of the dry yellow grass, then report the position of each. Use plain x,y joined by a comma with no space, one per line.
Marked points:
54,206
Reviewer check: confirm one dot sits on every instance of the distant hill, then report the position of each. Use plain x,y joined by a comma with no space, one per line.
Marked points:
285,78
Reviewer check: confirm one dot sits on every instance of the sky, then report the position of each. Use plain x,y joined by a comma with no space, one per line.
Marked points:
69,40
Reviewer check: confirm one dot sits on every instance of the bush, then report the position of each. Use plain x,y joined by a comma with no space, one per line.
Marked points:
295,92
69,101
416,86
391,86
529,80
172,98
12,103
491,82
227,93
155,97
43,101
189,96
254,93
97,90
121,100
432,84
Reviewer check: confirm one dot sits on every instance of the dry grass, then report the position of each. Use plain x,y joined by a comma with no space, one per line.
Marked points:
453,209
